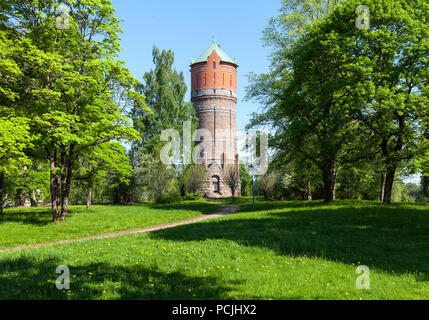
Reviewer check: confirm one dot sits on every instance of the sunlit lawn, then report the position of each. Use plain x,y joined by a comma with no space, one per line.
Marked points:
34,225
282,250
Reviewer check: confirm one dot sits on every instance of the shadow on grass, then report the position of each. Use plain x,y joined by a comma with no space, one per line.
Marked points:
201,206
40,216
392,239
23,278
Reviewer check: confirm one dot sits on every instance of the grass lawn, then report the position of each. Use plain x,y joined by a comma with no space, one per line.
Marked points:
34,225
281,250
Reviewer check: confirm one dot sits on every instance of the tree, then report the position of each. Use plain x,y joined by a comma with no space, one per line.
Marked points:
71,86
14,138
14,129
165,90
298,119
107,157
245,181
32,182
392,103
266,185
346,90
231,178
313,121
191,179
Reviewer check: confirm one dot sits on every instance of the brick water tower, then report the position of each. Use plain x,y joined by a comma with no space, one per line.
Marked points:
214,96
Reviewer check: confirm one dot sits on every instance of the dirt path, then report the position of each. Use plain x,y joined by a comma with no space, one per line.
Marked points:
228,209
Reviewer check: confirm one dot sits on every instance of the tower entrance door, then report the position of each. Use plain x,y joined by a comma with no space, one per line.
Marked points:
216,184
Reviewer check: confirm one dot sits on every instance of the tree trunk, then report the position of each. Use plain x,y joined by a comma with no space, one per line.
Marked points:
309,194
328,181
54,183
425,178
89,198
20,198
67,162
2,191
65,195
33,199
382,186
55,190
390,177
334,181
425,187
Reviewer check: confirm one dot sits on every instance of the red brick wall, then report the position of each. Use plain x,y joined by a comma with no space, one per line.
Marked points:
203,74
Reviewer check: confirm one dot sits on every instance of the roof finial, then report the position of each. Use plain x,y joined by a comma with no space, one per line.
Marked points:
213,39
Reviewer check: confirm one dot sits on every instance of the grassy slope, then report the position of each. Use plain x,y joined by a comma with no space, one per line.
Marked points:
34,225
293,250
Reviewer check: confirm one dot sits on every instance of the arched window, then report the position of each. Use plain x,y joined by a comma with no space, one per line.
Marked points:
214,64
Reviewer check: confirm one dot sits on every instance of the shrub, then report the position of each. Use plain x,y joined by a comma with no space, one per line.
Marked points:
193,196
171,196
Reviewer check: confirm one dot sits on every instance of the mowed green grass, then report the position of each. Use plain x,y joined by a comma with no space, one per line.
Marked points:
34,225
281,250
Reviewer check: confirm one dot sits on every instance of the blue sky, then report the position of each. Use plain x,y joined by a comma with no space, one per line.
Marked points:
187,28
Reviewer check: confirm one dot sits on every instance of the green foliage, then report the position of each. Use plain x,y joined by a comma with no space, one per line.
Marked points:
165,91
358,181
245,180
191,179
171,195
71,85
337,94
266,185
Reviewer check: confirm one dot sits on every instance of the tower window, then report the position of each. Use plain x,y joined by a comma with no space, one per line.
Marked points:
214,64
214,78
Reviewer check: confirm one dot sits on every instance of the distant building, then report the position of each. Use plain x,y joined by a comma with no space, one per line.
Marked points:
214,96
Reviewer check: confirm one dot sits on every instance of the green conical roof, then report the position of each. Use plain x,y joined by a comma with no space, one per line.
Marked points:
213,46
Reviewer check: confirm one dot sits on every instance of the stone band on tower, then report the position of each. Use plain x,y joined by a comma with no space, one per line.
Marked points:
214,96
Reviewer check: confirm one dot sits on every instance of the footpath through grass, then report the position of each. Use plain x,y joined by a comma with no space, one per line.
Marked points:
34,225
281,250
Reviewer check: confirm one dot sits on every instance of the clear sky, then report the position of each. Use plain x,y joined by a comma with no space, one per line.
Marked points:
187,28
